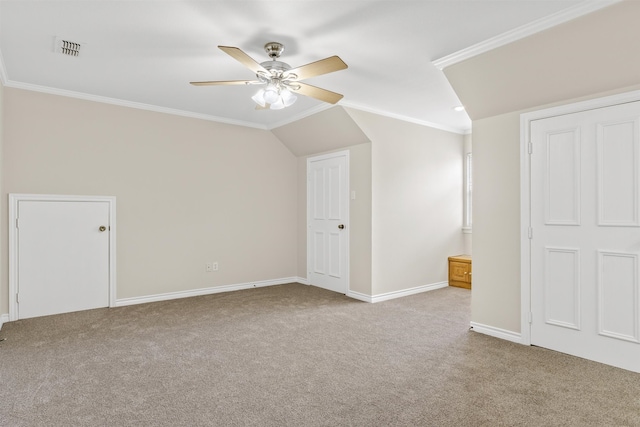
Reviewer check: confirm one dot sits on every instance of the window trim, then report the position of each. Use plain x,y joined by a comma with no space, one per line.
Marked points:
467,219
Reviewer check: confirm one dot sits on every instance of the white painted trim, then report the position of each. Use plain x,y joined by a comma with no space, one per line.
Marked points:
452,129
576,107
397,294
346,154
360,296
13,240
4,318
190,114
3,71
525,189
525,242
302,280
203,291
497,332
410,291
526,30
130,104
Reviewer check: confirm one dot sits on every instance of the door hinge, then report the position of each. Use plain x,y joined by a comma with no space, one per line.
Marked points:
17,297
530,317
530,147
530,232
17,222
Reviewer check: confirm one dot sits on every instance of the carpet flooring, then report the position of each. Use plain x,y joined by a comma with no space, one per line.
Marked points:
295,355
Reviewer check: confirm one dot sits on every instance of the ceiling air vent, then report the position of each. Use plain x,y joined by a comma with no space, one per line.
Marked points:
67,47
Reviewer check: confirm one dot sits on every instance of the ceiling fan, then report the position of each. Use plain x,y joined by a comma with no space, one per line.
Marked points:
281,81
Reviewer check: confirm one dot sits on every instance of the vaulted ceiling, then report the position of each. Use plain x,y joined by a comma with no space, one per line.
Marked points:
145,53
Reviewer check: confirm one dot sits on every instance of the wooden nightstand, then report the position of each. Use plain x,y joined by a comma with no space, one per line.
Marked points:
460,271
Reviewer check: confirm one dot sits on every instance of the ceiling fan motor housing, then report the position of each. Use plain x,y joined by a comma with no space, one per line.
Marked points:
274,49
276,66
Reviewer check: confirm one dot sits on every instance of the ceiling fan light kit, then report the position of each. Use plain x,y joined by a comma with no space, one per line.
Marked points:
280,79
274,98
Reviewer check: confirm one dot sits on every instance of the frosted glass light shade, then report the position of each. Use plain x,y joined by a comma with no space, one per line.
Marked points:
271,94
259,98
287,97
278,105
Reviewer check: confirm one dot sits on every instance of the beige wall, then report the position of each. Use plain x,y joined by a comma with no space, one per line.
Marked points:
496,222
590,57
188,191
416,201
4,303
191,191
359,218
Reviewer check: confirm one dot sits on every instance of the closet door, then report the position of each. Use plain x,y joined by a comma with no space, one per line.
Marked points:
63,256
585,206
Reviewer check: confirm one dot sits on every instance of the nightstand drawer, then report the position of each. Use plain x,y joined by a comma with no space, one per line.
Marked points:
460,271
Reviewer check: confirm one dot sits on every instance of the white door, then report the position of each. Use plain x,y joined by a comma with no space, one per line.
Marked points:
585,217
63,256
328,211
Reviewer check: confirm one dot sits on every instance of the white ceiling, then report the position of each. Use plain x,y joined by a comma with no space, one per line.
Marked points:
145,53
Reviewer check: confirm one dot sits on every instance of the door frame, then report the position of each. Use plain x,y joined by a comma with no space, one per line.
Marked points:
14,200
346,200
525,190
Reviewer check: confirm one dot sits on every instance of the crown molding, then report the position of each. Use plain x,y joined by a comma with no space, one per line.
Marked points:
130,104
190,114
534,27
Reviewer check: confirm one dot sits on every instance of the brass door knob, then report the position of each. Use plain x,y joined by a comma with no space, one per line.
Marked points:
102,228
341,226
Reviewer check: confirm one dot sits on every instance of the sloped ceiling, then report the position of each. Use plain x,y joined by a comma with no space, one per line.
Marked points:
144,53
595,53
328,130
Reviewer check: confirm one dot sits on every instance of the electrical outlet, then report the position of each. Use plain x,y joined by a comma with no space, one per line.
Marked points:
214,266
209,267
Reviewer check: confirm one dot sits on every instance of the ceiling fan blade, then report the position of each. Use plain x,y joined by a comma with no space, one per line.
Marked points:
243,58
227,82
317,93
323,66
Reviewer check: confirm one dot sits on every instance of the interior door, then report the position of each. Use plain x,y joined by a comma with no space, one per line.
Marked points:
585,201
327,222
63,256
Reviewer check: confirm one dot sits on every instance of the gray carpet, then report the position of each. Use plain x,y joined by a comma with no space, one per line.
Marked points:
296,355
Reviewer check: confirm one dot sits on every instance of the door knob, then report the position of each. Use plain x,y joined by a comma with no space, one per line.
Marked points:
341,226
102,228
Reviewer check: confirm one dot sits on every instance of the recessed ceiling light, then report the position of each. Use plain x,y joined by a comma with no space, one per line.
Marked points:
458,108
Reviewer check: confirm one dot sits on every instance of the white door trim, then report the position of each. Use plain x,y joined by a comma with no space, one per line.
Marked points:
13,241
525,191
345,154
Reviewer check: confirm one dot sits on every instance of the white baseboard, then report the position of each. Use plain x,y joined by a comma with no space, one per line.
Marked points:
4,318
396,294
204,291
410,291
497,332
302,280
359,296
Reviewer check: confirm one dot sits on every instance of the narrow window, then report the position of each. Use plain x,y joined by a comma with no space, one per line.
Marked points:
468,193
